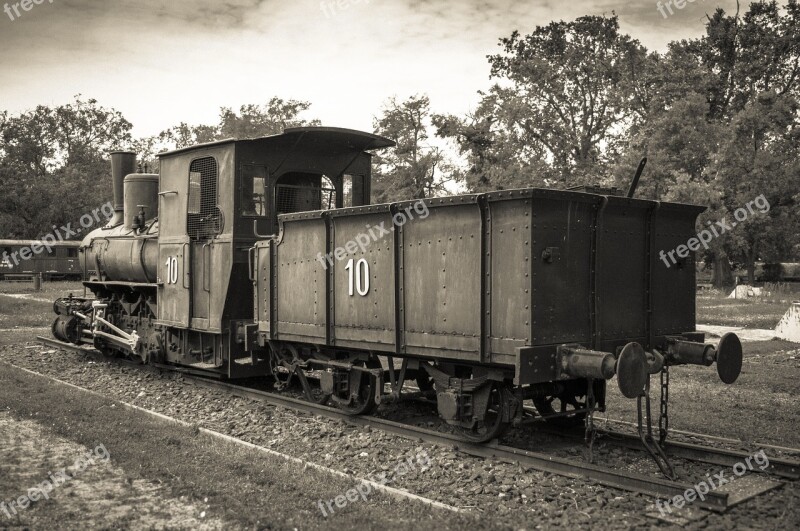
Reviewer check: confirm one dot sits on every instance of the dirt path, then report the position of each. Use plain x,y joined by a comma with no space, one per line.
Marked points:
745,334
26,296
77,484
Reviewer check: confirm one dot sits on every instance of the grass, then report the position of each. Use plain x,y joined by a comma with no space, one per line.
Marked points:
21,313
36,310
761,405
713,307
49,289
245,488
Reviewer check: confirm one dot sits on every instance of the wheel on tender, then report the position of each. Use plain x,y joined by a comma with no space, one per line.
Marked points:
492,425
363,401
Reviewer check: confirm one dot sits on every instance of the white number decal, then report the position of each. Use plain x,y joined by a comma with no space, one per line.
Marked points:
172,270
361,274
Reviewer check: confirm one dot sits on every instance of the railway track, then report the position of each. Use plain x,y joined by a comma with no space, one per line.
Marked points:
653,486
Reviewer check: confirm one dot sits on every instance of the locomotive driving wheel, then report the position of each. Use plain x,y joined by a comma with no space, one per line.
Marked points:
492,425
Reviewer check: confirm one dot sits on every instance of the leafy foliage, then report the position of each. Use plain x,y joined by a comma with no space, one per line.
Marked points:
53,165
412,169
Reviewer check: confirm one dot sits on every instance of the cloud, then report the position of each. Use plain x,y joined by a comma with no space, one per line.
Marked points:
163,62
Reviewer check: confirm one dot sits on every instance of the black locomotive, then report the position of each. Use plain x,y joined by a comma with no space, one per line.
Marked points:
264,257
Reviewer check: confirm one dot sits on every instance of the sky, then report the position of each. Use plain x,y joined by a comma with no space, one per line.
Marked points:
165,62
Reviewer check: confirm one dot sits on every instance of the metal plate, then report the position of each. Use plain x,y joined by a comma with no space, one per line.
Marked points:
729,358
632,370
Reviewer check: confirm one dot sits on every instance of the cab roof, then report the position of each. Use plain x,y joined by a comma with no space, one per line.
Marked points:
337,138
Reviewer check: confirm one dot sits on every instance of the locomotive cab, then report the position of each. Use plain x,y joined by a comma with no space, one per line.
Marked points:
304,169
217,200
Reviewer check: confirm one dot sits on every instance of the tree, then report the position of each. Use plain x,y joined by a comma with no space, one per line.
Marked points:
413,168
184,135
252,121
751,54
564,98
256,120
566,89
54,165
708,135
759,157
496,157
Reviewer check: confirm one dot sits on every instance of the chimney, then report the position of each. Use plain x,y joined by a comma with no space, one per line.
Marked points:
122,164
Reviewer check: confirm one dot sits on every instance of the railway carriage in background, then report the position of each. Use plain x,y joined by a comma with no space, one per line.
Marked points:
56,261
265,257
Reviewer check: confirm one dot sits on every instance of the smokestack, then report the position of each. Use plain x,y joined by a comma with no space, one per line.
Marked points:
122,164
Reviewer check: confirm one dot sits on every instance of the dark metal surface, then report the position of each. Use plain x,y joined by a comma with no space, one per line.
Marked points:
729,358
632,370
637,175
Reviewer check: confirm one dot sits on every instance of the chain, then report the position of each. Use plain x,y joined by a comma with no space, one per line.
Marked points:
663,419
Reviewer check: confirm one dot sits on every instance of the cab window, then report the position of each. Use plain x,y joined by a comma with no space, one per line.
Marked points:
253,197
302,192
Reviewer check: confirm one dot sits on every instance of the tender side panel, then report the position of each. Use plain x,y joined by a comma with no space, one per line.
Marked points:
562,270
674,283
622,266
300,305
509,227
441,264
363,280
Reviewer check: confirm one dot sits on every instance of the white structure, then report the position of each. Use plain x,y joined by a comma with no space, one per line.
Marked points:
789,326
743,291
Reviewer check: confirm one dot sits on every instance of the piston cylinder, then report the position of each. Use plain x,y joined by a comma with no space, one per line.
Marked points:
67,328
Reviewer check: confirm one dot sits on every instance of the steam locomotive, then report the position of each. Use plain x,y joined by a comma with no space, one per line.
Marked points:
265,257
